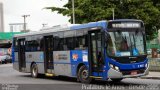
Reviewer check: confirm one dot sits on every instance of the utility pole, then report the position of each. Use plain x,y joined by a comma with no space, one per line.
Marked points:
24,16
113,13
73,12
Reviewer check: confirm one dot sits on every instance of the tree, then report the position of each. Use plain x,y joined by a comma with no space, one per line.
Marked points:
95,10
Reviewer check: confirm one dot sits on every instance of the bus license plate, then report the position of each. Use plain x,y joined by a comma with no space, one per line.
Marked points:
133,72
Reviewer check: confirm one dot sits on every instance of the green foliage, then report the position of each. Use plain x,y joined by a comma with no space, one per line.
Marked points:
95,10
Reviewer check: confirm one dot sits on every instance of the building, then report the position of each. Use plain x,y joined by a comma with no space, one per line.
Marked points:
1,18
16,27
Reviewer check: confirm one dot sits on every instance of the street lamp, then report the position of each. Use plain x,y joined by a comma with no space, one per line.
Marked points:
24,16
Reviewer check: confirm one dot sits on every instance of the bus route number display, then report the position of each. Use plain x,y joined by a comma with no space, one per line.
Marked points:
126,25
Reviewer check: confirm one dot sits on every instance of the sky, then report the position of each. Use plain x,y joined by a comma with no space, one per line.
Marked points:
14,9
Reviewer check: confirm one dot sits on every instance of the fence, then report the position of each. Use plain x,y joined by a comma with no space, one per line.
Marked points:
154,64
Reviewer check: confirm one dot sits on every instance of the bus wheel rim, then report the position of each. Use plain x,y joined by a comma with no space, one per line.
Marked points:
84,74
34,71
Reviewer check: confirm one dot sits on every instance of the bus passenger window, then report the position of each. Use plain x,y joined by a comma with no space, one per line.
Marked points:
65,47
80,42
86,41
70,43
15,45
60,44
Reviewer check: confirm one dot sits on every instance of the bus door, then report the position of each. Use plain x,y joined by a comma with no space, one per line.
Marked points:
48,53
21,54
95,51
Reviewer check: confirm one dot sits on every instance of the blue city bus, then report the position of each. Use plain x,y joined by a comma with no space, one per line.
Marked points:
102,50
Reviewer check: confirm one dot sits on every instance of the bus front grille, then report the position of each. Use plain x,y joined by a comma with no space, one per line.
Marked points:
129,72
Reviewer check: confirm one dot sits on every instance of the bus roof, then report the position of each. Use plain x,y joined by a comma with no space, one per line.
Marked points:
125,20
57,28
90,25
45,30
65,28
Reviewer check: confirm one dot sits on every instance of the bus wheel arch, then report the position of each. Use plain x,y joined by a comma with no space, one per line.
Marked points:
78,67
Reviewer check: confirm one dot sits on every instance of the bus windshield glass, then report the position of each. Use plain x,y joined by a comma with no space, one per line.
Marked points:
124,43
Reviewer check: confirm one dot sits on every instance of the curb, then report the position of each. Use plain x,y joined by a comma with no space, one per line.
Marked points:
150,77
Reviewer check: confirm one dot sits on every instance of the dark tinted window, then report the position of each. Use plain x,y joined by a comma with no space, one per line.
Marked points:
33,43
58,41
81,40
69,40
15,45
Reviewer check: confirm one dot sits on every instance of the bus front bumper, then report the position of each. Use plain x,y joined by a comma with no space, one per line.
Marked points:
117,74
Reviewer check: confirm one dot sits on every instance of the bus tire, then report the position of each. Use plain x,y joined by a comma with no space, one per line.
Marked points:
116,79
83,75
34,70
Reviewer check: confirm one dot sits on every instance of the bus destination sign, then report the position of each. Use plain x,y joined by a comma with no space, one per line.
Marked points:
124,25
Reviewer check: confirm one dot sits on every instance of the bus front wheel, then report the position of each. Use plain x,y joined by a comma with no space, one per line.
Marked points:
83,75
34,70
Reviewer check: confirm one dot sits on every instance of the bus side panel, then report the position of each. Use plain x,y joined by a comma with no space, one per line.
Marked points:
62,64
15,61
78,57
38,58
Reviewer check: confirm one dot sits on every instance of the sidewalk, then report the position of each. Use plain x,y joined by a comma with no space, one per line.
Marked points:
152,75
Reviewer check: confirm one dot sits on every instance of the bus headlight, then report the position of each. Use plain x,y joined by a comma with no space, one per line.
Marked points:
146,65
114,67
111,66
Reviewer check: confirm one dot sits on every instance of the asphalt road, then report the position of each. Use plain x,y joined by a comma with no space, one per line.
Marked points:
14,80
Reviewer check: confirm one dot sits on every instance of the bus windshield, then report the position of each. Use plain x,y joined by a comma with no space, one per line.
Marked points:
124,43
